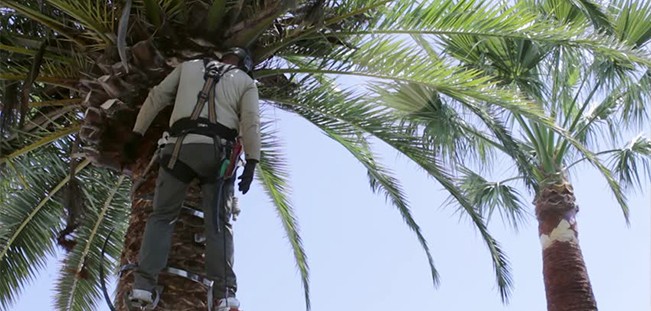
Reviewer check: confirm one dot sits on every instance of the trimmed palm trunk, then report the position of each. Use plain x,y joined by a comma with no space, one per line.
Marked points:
179,293
566,278
103,133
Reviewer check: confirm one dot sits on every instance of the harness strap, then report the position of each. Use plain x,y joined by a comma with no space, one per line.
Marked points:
176,152
212,114
207,94
202,126
202,97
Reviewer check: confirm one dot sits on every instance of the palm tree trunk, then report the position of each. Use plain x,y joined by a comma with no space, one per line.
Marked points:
179,293
566,278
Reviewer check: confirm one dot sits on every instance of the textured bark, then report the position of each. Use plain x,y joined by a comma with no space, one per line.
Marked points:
179,294
566,279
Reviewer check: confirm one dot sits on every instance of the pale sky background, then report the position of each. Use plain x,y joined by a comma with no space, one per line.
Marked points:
362,256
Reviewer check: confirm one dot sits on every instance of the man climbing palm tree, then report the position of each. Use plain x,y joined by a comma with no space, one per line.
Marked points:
201,138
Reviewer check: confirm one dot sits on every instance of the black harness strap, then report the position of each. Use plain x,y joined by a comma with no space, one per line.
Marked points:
202,126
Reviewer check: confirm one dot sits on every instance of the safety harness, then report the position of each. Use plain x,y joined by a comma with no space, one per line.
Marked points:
229,148
223,136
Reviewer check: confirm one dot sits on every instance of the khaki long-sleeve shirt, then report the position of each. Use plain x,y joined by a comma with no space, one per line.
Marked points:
236,97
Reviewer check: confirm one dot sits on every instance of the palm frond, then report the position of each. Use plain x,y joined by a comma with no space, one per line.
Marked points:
395,60
153,12
107,194
380,178
30,217
632,161
34,14
18,49
453,128
635,97
443,124
97,18
511,61
600,20
500,20
273,176
490,196
343,110
613,184
632,21
43,141
42,122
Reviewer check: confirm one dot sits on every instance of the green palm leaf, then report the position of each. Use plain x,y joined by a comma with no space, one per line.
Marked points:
30,218
632,21
107,196
346,111
32,13
410,97
491,196
380,178
272,174
593,11
97,18
632,161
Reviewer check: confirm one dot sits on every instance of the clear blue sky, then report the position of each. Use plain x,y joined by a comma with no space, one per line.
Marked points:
363,257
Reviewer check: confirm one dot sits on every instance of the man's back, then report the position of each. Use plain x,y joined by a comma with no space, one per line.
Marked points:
237,103
233,86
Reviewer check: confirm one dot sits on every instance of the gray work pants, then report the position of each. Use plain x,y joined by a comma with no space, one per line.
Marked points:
168,198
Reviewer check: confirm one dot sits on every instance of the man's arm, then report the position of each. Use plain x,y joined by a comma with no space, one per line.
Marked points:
250,122
160,96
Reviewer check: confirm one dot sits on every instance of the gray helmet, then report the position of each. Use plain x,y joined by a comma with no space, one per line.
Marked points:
246,62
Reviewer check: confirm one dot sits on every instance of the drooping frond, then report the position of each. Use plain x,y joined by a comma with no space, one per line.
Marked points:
394,60
636,101
381,180
463,130
273,176
632,161
491,196
107,195
443,123
512,62
41,142
345,111
30,217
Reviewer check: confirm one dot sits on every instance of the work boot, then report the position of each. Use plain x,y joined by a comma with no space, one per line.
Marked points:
227,304
141,298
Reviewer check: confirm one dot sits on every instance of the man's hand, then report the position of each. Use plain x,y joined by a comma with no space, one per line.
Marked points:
247,176
130,149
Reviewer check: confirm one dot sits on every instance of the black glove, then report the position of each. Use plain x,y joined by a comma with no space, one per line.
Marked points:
130,149
247,176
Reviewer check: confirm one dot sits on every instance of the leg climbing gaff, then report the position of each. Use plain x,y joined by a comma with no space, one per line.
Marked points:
135,300
217,204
